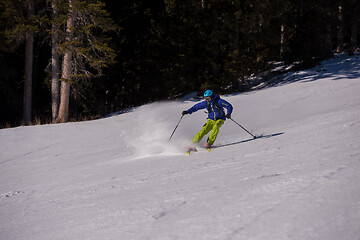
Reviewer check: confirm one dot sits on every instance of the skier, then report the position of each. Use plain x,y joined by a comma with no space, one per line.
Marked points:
216,116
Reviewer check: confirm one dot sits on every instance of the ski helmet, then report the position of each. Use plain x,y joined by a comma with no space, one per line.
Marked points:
208,93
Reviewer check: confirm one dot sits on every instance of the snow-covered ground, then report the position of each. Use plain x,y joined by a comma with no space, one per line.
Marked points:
120,178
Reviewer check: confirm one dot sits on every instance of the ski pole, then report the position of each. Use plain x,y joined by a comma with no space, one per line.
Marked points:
243,128
176,127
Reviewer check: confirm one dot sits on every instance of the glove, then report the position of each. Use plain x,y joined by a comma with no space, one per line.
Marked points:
184,113
228,116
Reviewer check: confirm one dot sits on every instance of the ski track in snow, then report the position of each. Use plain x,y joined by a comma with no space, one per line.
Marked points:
120,178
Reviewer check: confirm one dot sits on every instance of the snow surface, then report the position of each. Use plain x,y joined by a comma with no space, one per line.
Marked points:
120,178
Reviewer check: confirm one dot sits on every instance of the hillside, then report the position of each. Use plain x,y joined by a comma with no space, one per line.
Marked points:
120,178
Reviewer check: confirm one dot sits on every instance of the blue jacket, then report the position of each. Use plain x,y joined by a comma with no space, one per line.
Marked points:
214,113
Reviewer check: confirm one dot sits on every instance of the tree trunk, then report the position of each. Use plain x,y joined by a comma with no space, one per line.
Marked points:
66,70
354,26
282,40
55,66
340,33
215,51
354,36
28,69
328,40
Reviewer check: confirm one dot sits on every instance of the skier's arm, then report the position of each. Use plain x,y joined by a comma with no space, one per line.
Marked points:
227,105
196,107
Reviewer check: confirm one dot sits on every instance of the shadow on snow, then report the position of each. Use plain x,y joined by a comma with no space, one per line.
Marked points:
248,140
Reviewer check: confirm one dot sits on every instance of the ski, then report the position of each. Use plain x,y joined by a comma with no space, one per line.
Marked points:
191,149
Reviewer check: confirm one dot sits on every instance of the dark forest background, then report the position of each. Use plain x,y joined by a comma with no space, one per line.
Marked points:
167,48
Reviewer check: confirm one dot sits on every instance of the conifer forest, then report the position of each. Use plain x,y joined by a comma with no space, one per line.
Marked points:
70,60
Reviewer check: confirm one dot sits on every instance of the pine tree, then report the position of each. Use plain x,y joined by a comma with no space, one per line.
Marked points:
340,28
29,54
21,27
85,48
63,115
55,61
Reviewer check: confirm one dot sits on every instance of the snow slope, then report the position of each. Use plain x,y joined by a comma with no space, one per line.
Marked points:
119,177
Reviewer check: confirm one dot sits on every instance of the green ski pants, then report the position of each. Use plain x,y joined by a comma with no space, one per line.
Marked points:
210,125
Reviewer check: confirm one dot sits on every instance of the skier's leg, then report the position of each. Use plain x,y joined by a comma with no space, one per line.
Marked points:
206,128
215,131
